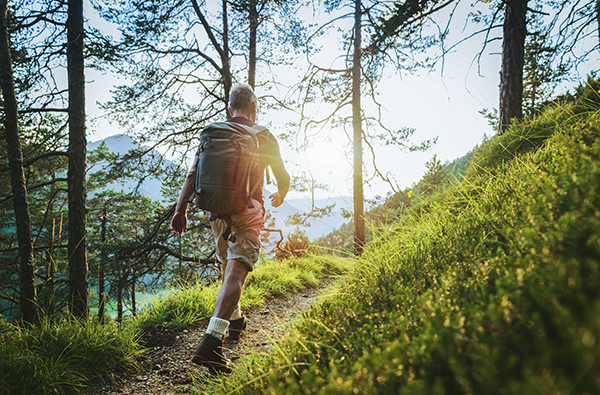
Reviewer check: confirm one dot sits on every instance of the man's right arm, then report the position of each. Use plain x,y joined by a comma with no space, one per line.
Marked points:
179,220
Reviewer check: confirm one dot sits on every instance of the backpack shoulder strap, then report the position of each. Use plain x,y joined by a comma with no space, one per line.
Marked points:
261,131
251,130
259,128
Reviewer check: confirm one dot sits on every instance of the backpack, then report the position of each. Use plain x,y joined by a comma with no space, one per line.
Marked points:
227,158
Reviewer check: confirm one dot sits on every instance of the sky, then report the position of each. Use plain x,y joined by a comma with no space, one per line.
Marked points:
438,104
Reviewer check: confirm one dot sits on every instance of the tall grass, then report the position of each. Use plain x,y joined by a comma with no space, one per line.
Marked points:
189,305
493,287
60,358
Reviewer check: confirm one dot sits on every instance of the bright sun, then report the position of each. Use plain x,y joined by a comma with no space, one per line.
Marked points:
325,154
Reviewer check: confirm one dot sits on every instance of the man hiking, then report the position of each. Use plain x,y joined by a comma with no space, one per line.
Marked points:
237,236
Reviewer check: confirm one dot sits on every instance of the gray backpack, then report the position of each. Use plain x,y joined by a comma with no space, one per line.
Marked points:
227,159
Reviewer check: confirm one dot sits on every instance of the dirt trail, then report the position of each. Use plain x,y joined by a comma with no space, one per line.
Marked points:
166,368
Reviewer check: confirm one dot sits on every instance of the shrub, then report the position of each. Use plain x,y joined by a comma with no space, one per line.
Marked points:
297,243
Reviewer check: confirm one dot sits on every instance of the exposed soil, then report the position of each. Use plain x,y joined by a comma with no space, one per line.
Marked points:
167,367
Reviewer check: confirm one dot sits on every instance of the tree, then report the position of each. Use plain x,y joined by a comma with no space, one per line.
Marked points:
359,210
38,31
548,49
130,238
78,269
346,86
178,56
513,53
435,177
576,24
257,13
559,30
181,57
541,74
513,49
251,8
19,189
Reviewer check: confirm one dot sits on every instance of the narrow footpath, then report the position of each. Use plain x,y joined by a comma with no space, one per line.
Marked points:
166,369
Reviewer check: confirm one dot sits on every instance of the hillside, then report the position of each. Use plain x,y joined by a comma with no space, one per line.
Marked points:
487,286
491,286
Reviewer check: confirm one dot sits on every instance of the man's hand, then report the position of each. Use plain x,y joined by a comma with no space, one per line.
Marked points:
179,223
276,199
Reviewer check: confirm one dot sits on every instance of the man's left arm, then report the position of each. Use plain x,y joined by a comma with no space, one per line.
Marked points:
280,173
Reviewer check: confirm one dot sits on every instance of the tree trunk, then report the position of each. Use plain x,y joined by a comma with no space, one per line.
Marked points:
17,179
78,269
253,16
225,58
359,219
120,300
513,52
51,270
51,261
598,19
133,302
103,258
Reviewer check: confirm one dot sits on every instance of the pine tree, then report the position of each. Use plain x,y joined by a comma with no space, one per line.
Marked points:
28,302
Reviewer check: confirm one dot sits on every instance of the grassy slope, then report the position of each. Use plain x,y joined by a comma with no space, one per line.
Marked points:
491,287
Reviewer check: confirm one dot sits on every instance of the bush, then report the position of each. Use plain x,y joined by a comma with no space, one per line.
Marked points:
297,243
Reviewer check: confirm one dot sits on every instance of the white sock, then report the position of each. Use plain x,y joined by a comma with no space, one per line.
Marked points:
217,327
237,313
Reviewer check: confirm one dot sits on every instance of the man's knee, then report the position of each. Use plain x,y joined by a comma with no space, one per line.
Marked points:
236,270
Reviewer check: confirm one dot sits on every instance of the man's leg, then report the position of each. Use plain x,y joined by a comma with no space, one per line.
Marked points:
234,277
242,253
237,311
209,352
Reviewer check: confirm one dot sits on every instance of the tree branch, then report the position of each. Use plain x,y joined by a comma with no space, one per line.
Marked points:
36,186
208,29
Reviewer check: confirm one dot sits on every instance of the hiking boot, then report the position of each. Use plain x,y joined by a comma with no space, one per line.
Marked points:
209,353
236,327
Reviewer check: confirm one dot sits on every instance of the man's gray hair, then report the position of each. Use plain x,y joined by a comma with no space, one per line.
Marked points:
241,97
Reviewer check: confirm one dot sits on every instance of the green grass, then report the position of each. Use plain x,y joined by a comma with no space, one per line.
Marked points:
60,358
190,305
492,287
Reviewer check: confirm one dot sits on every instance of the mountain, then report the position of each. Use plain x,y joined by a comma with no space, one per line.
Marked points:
318,226
121,144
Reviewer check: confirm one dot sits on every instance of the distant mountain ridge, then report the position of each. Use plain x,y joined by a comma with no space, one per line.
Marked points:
121,144
318,226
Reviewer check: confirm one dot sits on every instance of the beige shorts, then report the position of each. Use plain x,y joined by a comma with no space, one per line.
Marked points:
244,242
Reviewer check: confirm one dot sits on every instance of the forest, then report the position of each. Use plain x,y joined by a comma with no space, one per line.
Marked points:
497,251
